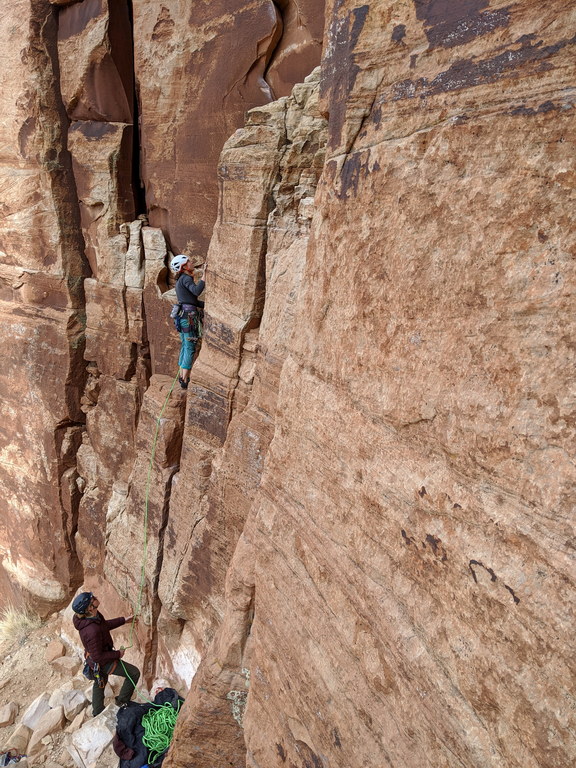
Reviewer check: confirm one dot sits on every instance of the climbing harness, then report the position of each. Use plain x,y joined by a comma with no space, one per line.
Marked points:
100,677
93,671
87,671
183,314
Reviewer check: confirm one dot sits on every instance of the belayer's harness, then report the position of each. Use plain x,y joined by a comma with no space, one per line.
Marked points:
93,671
193,316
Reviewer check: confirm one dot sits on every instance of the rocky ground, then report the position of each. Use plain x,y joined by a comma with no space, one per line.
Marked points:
45,710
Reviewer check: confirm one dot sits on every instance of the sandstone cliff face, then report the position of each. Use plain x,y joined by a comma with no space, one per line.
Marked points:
42,271
402,591
357,523
81,276
199,67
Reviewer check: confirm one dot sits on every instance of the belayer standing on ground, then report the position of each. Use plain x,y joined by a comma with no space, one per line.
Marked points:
94,632
187,292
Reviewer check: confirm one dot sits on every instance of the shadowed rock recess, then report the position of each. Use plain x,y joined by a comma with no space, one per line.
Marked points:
351,541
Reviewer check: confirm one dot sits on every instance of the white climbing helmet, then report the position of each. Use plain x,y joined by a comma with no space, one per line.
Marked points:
177,262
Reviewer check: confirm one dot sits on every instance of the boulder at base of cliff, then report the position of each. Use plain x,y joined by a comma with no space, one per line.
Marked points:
8,714
87,744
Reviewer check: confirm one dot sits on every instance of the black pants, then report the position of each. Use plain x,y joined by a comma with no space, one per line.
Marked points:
123,669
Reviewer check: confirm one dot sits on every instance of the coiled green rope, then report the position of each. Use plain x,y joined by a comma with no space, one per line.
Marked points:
158,727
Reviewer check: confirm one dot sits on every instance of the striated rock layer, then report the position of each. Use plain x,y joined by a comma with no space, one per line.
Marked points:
75,176
200,66
402,592
350,541
41,303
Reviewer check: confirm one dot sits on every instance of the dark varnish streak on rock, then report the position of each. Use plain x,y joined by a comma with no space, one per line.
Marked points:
360,15
93,129
309,758
73,20
436,545
211,412
355,167
339,67
218,334
164,27
448,23
493,577
199,577
399,33
547,106
468,73
407,539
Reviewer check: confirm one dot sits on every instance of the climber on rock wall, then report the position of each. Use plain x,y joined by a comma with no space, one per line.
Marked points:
189,313
101,657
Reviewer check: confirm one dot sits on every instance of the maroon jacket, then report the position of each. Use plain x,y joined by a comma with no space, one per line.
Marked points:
96,637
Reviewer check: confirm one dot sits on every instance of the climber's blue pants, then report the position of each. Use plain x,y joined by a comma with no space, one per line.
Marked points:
188,347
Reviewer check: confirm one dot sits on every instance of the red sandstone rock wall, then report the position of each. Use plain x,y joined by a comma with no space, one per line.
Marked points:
42,303
199,67
358,527
402,592
91,141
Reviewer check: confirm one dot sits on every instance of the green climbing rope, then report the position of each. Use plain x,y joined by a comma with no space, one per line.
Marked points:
145,534
158,727
159,722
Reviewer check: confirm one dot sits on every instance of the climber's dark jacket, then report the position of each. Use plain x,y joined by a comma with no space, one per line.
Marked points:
96,637
187,291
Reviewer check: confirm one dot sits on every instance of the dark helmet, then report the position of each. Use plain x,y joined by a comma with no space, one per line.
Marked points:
81,602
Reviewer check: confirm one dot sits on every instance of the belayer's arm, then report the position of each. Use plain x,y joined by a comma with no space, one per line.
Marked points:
113,623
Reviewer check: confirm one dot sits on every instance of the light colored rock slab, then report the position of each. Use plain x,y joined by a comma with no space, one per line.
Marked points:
54,650
50,723
73,703
37,709
19,739
57,696
87,744
78,721
68,665
8,714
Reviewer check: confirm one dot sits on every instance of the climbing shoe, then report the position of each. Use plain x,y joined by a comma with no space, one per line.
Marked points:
183,384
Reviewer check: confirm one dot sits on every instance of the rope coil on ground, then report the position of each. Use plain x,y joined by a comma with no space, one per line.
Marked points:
158,727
